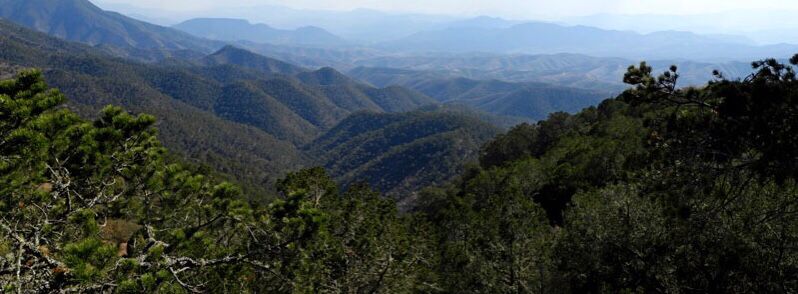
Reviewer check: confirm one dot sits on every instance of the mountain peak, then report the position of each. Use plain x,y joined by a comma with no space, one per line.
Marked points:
229,29
232,55
82,21
231,50
325,76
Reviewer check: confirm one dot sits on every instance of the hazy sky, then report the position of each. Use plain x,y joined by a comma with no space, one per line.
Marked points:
506,8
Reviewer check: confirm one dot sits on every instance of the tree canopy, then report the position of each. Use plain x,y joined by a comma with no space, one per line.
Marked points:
97,206
662,189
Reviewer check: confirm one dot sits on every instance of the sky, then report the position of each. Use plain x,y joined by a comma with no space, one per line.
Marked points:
503,8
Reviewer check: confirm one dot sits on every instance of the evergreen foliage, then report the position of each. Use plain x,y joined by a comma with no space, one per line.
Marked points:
400,153
653,191
235,111
663,189
97,206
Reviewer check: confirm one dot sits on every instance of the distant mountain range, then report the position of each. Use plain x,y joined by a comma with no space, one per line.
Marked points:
238,111
603,74
720,37
485,22
82,21
360,25
248,115
547,38
256,116
92,79
226,29
528,100
764,26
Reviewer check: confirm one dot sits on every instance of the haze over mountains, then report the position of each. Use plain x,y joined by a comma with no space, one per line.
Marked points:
380,152
759,25
756,26
360,25
529,100
256,101
500,36
80,20
241,30
244,114
451,37
572,70
546,38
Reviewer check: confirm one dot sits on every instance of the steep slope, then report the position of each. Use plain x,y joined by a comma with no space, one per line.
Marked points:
226,29
399,153
82,21
325,76
349,93
94,80
244,87
246,102
530,100
307,102
236,56
244,121
537,103
295,108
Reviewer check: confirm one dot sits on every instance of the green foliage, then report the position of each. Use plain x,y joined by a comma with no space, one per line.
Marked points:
96,206
89,258
663,189
401,153
492,237
526,101
332,242
237,112
113,32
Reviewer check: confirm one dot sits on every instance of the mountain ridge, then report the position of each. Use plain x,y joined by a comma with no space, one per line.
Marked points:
236,119
549,38
82,21
232,29
397,153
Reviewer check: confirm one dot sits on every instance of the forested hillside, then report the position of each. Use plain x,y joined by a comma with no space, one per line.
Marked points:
239,112
135,158
529,100
96,206
96,80
236,56
82,21
662,189
399,154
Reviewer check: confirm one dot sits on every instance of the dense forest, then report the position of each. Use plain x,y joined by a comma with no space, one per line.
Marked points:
141,158
400,153
235,111
661,189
